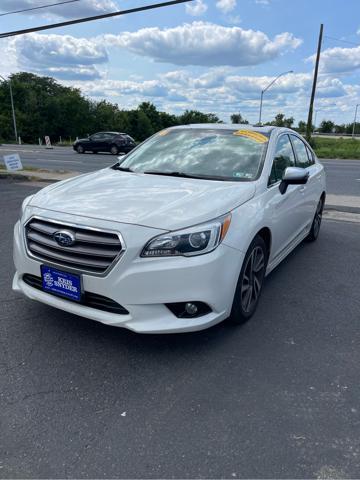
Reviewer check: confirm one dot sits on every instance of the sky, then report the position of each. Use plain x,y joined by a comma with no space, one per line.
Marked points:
211,55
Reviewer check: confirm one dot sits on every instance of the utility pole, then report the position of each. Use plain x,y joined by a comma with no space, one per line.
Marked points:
353,130
311,106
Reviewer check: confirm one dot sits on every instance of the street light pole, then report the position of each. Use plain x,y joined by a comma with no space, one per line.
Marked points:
316,111
12,107
356,109
267,88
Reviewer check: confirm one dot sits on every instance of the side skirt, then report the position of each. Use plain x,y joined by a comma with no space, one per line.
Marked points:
282,255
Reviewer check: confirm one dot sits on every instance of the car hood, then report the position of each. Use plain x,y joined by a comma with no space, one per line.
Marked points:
82,140
155,201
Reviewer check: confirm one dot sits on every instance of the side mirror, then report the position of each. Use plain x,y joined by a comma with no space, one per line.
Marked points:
293,176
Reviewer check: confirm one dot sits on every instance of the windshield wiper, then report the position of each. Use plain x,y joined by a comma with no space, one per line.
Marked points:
184,175
117,166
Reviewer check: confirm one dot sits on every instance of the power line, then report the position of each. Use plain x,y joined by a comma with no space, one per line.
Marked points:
37,8
340,40
90,19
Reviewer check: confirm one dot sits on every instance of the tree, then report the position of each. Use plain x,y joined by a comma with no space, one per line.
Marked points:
302,126
326,126
140,125
45,107
281,121
153,115
238,118
194,116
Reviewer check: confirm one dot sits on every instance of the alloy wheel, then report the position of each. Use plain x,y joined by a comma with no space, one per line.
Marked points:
252,279
318,218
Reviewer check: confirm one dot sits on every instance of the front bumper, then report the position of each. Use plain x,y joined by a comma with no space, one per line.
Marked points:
143,286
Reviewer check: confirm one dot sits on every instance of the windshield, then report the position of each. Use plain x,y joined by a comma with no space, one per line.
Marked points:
219,154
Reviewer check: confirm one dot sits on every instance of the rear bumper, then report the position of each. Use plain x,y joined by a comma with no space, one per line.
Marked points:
144,286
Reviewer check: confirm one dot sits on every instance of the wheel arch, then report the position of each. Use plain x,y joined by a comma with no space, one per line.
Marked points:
265,234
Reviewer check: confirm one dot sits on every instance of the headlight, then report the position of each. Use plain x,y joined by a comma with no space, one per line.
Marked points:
191,241
25,204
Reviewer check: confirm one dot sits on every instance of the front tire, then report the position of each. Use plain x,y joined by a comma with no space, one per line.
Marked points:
250,282
80,149
316,224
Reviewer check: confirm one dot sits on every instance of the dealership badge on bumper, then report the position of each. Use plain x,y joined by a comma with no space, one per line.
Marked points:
61,283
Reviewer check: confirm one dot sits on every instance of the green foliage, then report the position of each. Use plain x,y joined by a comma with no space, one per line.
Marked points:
281,121
238,118
302,126
327,126
194,116
336,147
44,107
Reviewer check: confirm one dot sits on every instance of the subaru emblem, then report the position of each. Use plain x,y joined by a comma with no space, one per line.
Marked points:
64,238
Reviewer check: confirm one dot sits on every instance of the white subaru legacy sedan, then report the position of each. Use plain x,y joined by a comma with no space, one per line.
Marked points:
178,235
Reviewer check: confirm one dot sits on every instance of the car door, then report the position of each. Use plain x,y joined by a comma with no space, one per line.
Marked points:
310,191
283,209
96,142
108,139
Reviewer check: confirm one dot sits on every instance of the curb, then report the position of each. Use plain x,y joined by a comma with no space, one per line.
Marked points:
27,178
48,177
342,208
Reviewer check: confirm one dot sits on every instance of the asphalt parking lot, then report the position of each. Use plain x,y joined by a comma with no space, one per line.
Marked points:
276,398
341,181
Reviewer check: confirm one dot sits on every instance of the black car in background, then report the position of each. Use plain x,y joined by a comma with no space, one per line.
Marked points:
113,142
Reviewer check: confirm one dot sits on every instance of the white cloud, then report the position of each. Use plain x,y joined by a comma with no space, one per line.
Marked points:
226,6
203,43
262,2
63,56
233,19
338,60
78,9
116,88
196,8
222,91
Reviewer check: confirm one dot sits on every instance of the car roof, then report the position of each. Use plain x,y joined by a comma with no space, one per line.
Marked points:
113,133
231,126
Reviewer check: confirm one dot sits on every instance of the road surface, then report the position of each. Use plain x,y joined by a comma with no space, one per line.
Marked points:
276,398
343,176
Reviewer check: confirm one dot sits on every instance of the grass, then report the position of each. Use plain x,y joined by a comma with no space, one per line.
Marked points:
26,169
336,147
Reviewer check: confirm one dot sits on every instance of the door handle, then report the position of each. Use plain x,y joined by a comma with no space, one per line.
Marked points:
302,189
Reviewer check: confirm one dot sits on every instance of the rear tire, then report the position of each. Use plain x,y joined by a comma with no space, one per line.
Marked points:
250,282
316,224
114,150
80,149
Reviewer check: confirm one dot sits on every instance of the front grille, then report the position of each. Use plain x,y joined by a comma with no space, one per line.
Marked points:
88,299
93,251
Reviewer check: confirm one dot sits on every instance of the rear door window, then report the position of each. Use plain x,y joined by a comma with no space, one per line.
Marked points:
302,158
283,158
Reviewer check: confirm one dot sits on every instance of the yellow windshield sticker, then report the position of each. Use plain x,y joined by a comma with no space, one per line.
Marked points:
256,136
163,133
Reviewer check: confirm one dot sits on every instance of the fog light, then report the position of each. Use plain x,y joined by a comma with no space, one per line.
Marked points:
188,309
191,309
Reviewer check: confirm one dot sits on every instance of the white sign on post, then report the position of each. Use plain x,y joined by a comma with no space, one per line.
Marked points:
48,142
13,162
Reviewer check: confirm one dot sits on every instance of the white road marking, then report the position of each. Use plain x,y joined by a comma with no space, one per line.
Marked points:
335,215
59,161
